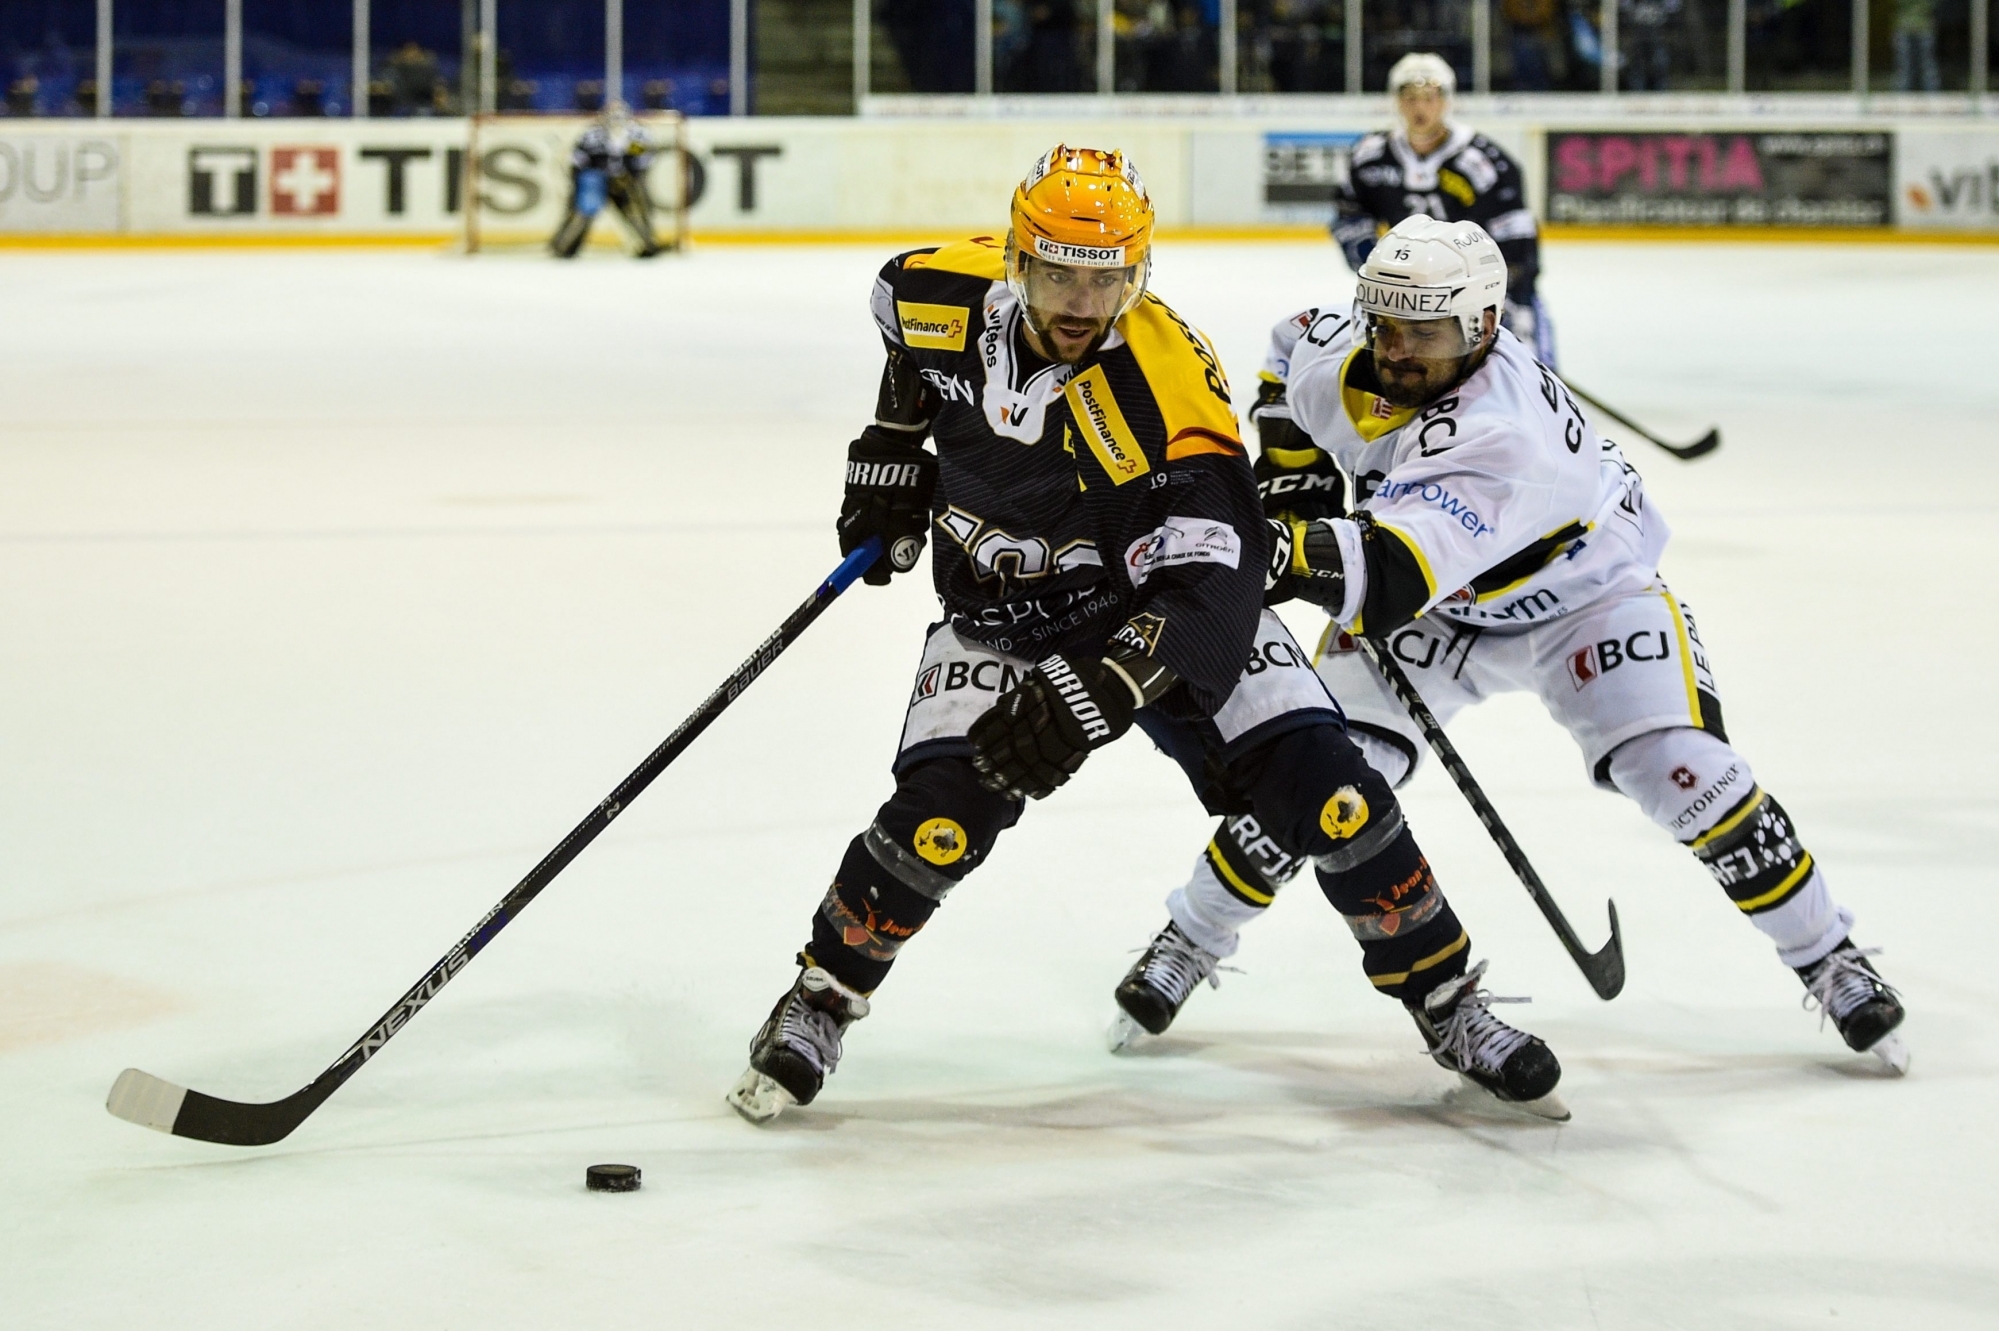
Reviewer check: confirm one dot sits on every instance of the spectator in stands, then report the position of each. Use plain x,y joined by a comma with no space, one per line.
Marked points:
1046,58
1530,26
1916,46
1643,32
414,84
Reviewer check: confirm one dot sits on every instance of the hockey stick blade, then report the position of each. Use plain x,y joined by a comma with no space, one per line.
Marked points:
153,1102
1604,968
1702,446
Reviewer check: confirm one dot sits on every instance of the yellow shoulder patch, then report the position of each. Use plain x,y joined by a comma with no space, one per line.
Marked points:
1103,426
933,327
1186,379
1372,415
981,256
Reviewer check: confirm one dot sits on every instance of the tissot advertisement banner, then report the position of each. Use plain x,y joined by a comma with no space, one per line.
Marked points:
1723,178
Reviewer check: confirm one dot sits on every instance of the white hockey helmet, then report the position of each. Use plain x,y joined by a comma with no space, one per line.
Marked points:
1426,269
1421,68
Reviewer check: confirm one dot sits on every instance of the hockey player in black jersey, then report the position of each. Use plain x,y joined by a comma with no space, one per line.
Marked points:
608,164
1101,555
1448,172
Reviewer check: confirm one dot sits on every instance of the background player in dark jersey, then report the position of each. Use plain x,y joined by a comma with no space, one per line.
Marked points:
609,163
1429,165
1101,558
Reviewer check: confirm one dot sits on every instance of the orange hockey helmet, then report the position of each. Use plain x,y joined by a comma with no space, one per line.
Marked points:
1080,242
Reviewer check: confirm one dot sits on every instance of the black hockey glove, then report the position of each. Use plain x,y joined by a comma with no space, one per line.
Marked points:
1305,562
1295,477
889,484
1038,733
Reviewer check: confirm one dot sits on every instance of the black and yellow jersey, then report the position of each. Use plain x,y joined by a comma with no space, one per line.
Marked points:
1073,500
1466,178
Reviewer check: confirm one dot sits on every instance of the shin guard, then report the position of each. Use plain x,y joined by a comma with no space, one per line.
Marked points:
1316,796
936,828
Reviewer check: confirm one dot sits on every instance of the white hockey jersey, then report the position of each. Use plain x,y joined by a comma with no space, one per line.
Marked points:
1496,505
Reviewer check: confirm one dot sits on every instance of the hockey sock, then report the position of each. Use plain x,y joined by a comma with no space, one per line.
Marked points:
1235,878
1697,787
935,829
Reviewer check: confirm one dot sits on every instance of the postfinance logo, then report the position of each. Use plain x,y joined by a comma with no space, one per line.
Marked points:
1103,426
933,327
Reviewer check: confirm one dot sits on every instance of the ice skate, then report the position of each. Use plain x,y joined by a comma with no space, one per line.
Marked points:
1865,1008
798,1046
1463,1035
1155,989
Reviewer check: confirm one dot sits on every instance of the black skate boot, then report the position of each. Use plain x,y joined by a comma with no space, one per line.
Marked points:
1155,989
1464,1037
1866,1009
798,1047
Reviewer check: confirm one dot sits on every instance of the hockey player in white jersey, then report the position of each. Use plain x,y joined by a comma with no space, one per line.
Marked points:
1495,544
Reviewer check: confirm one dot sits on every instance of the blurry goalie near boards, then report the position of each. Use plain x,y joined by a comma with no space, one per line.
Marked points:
608,165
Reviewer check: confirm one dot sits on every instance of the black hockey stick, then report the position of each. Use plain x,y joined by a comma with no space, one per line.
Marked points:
1706,444
139,1097
1604,969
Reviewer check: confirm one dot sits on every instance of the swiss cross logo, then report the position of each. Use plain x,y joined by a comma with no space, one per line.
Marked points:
1684,778
305,182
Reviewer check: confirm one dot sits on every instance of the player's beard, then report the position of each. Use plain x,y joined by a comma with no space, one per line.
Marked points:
1414,382
1069,339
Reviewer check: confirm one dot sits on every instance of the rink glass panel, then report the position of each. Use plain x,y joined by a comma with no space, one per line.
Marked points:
1291,46
1799,46
1167,45
1044,46
1545,46
677,55
1391,29
1672,45
923,46
416,58
1919,45
166,57
298,58
50,53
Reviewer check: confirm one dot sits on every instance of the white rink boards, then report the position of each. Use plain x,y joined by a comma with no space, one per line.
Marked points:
338,586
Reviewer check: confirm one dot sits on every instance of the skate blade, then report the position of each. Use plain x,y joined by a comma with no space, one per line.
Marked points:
1894,1055
1550,1106
758,1098
1124,1034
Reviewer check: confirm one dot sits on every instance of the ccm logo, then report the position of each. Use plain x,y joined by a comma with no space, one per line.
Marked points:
1600,658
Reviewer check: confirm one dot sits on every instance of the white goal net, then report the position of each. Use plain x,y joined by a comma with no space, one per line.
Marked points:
518,183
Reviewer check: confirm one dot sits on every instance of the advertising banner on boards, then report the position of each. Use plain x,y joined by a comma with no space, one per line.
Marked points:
1719,178
60,183
1947,179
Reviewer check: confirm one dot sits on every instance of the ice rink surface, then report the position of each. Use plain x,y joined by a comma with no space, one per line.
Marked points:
335,588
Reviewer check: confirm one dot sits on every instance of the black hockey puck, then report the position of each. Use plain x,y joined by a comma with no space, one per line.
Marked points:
611,1178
